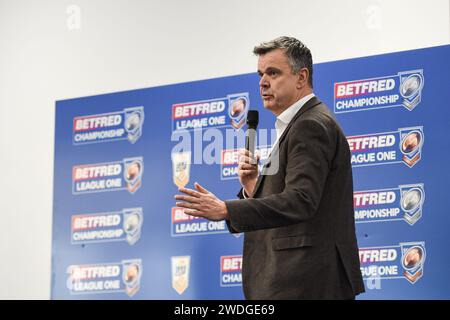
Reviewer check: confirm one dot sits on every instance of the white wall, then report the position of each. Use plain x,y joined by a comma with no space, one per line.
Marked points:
128,44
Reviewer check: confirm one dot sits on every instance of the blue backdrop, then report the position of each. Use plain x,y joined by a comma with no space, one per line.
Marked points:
117,235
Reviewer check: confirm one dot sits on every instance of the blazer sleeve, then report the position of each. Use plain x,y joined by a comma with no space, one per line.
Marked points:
240,195
311,148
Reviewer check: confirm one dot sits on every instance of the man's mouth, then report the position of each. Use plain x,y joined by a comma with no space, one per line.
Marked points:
267,97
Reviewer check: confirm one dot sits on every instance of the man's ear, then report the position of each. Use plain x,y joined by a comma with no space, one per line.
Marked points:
302,78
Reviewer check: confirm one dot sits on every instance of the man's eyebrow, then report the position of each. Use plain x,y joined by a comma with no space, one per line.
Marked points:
268,70
272,69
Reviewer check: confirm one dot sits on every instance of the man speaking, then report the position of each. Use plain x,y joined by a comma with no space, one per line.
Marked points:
300,240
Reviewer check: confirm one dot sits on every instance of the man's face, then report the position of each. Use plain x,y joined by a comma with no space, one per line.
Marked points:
279,87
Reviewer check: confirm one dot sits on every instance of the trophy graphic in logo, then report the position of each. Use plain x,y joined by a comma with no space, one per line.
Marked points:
134,119
132,223
411,142
412,198
180,273
238,105
181,162
411,85
134,167
413,258
131,276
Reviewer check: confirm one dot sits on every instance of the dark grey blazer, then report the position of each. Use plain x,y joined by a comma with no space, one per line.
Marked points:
299,226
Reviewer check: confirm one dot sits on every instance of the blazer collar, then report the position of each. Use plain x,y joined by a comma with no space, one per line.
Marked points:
314,101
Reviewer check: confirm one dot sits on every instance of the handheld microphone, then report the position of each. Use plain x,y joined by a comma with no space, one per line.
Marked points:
250,136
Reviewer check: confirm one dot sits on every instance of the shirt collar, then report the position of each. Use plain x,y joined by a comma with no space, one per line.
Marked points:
286,116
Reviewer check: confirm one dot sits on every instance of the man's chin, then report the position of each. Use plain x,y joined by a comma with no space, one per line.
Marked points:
269,106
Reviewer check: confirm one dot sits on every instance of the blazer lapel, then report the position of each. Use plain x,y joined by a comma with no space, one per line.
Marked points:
314,101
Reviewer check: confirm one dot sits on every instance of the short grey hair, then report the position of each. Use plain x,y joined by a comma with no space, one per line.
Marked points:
299,56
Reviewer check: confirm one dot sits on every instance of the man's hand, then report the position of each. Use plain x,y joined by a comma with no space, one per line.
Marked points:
202,203
248,170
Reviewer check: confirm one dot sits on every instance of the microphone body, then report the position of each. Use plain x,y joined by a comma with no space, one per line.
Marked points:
250,135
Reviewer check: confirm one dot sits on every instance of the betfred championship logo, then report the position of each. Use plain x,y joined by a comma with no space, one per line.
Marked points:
231,271
213,113
124,276
405,260
394,204
105,127
122,225
401,90
186,225
404,145
108,176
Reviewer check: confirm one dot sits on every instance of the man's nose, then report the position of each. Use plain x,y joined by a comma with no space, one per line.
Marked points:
263,83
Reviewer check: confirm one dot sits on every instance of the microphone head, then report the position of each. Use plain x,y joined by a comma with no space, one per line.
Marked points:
252,118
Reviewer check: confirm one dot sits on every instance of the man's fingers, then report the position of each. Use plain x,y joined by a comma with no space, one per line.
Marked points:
195,213
246,166
189,192
187,198
247,153
246,159
246,172
200,188
188,205
244,152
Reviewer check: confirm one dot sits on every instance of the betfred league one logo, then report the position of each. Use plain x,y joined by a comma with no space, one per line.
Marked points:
124,276
122,225
411,142
403,89
405,260
212,113
131,276
413,258
180,273
186,225
392,204
404,145
181,164
237,110
105,127
134,168
108,176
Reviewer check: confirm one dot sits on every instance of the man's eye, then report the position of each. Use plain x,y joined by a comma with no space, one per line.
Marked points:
272,73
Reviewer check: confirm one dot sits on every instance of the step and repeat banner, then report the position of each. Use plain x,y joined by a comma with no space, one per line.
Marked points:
120,158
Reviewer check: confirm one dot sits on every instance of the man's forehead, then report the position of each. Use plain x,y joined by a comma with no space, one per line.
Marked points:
275,59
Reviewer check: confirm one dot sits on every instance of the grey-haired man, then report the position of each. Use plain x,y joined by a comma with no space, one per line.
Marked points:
298,221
